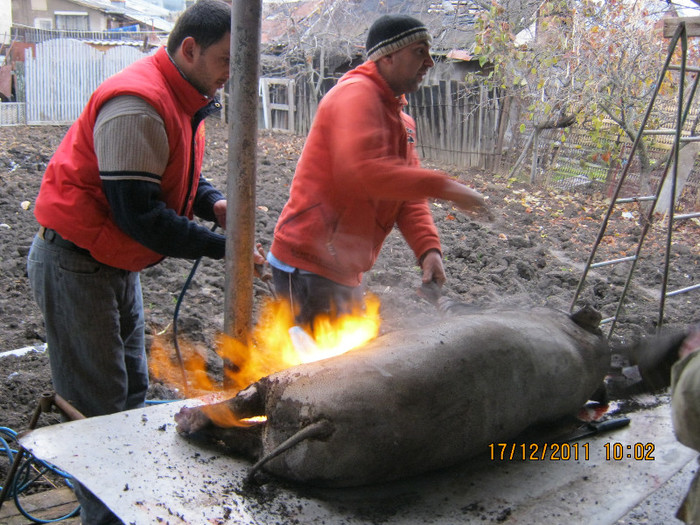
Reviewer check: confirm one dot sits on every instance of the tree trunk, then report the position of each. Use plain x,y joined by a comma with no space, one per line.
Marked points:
645,172
533,167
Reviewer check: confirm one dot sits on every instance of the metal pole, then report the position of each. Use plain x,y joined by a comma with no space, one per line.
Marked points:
246,18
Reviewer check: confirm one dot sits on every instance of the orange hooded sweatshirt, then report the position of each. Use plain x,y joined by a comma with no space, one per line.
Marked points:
357,177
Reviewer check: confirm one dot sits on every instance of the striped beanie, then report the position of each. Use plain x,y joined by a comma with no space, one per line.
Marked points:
390,33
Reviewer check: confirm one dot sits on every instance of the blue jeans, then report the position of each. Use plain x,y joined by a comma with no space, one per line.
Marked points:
94,320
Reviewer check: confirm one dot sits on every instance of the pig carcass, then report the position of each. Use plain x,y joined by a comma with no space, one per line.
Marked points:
415,400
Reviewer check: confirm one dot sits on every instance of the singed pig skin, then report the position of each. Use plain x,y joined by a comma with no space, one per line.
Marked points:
427,398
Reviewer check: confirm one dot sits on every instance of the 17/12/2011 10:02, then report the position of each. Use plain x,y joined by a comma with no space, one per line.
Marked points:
614,451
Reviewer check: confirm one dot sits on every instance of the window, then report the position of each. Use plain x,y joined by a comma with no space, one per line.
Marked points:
71,20
43,23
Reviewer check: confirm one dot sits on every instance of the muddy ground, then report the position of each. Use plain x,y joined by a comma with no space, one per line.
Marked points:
532,254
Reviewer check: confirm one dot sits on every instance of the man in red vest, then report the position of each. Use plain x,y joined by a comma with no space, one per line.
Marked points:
119,195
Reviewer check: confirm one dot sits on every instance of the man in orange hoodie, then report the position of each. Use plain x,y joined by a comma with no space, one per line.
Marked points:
358,176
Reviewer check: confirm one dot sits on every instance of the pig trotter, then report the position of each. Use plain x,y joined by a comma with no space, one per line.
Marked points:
191,419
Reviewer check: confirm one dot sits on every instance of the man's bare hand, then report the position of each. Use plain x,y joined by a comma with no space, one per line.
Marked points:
433,270
260,264
259,254
467,200
220,213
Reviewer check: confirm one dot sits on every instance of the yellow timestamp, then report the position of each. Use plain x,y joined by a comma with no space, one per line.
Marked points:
616,451
539,451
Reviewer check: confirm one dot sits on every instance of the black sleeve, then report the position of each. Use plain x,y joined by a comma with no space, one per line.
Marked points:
138,210
204,201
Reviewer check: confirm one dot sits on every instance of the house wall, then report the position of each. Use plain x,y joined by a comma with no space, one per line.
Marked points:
30,12
5,21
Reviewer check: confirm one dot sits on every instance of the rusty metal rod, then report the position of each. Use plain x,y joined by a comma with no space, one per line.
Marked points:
67,409
246,16
46,402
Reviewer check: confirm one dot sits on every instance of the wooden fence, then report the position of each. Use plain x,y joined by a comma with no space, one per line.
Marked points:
458,124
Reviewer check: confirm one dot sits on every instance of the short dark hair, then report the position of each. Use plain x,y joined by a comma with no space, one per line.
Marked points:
207,22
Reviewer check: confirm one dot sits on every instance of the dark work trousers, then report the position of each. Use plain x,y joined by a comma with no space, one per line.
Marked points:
95,335
311,295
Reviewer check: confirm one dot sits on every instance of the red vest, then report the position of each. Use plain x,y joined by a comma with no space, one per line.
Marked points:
71,200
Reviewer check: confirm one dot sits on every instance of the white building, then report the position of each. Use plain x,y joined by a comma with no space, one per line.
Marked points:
5,21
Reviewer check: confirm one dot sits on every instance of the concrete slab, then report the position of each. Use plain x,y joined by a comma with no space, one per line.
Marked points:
660,506
146,473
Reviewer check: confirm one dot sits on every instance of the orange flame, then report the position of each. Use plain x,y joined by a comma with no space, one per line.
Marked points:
275,344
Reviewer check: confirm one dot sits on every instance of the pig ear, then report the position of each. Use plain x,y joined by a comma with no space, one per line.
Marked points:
587,318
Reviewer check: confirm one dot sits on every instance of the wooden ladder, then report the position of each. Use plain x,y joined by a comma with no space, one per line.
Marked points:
680,34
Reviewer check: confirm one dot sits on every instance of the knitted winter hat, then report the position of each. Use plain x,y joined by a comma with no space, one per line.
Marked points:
390,33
